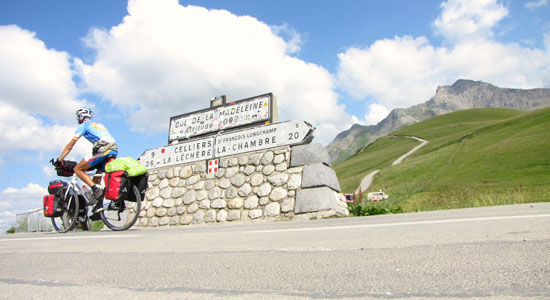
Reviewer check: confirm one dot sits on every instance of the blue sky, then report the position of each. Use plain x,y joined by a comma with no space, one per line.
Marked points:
331,63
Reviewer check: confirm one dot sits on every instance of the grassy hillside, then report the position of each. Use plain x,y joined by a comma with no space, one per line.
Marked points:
376,156
475,157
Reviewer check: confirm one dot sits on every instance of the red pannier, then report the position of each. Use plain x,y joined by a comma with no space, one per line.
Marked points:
52,208
117,185
52,202
56,185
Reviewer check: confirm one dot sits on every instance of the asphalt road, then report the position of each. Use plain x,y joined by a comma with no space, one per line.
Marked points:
485,253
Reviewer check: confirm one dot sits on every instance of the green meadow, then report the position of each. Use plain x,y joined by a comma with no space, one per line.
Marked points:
476,157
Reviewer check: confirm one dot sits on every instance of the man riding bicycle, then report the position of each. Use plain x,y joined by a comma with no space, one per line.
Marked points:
104,147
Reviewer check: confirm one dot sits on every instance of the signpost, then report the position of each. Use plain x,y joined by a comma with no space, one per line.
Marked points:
258,109
226,138
199,149
263,137
224,144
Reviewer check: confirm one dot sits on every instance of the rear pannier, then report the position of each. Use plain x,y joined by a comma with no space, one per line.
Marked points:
117,185
141,183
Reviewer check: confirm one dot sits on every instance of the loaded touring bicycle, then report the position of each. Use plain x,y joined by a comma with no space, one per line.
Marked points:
119,208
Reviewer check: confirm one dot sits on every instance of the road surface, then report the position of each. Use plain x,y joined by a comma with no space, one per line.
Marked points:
484,253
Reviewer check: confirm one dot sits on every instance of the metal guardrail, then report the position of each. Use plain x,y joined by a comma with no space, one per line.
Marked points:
32,221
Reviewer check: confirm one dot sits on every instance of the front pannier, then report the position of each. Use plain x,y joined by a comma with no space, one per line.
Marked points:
117,185
56,185
53,201
52,206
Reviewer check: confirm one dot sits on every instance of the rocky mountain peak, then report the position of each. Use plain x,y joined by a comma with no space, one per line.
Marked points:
463,94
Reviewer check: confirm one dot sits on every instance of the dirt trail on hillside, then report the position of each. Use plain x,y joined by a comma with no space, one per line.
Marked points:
365,183
367,180
400,159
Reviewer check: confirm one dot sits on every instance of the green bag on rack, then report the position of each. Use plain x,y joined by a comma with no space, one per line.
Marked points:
128,164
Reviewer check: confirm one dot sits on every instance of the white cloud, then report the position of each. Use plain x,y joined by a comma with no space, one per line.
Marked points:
37,95
536,4
293,38
48,170
393,72
376,113
404,71
21,131
35,79
469,19
14,201
165,59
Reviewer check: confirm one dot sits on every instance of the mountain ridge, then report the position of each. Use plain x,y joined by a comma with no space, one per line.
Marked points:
463,94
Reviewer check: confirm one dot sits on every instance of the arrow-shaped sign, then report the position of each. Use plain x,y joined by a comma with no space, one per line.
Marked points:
194,150
263,137
231,143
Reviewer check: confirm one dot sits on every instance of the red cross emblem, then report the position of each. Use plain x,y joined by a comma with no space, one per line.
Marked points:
212,166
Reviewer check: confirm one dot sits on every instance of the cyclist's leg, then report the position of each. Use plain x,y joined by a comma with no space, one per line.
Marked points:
98,162
80,171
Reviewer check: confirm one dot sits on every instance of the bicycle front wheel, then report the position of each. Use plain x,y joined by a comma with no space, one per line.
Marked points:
69,216
121,214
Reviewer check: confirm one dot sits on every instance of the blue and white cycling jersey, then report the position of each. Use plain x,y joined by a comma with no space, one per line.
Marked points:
98,135
93,132
104,144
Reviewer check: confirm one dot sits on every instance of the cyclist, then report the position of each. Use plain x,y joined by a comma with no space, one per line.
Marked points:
104,146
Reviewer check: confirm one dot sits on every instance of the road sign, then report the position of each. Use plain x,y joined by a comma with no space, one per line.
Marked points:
263,137
198,149
258,109
224,144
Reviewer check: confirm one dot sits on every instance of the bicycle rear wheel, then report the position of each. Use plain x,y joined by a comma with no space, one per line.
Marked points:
121,214
69,216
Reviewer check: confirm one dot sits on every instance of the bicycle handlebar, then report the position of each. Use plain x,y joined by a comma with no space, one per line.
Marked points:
65,168
56,162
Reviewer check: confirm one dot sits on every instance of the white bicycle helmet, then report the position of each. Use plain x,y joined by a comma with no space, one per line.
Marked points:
84,113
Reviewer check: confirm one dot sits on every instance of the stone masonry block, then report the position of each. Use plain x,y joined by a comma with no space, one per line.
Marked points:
309,154
315,199
318,175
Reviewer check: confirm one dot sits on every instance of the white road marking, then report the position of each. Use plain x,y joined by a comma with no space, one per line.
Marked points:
67,238
405,223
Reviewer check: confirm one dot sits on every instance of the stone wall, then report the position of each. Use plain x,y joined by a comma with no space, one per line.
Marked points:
263,185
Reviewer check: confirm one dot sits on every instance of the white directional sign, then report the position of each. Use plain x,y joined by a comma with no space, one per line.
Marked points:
224,144
264,137
199,149
243,112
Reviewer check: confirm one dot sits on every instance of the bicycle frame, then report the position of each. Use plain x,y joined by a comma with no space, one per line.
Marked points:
77,189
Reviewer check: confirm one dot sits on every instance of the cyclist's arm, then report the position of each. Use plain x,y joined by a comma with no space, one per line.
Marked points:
67,149
80,131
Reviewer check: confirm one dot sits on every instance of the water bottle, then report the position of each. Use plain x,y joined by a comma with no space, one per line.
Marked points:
87,193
